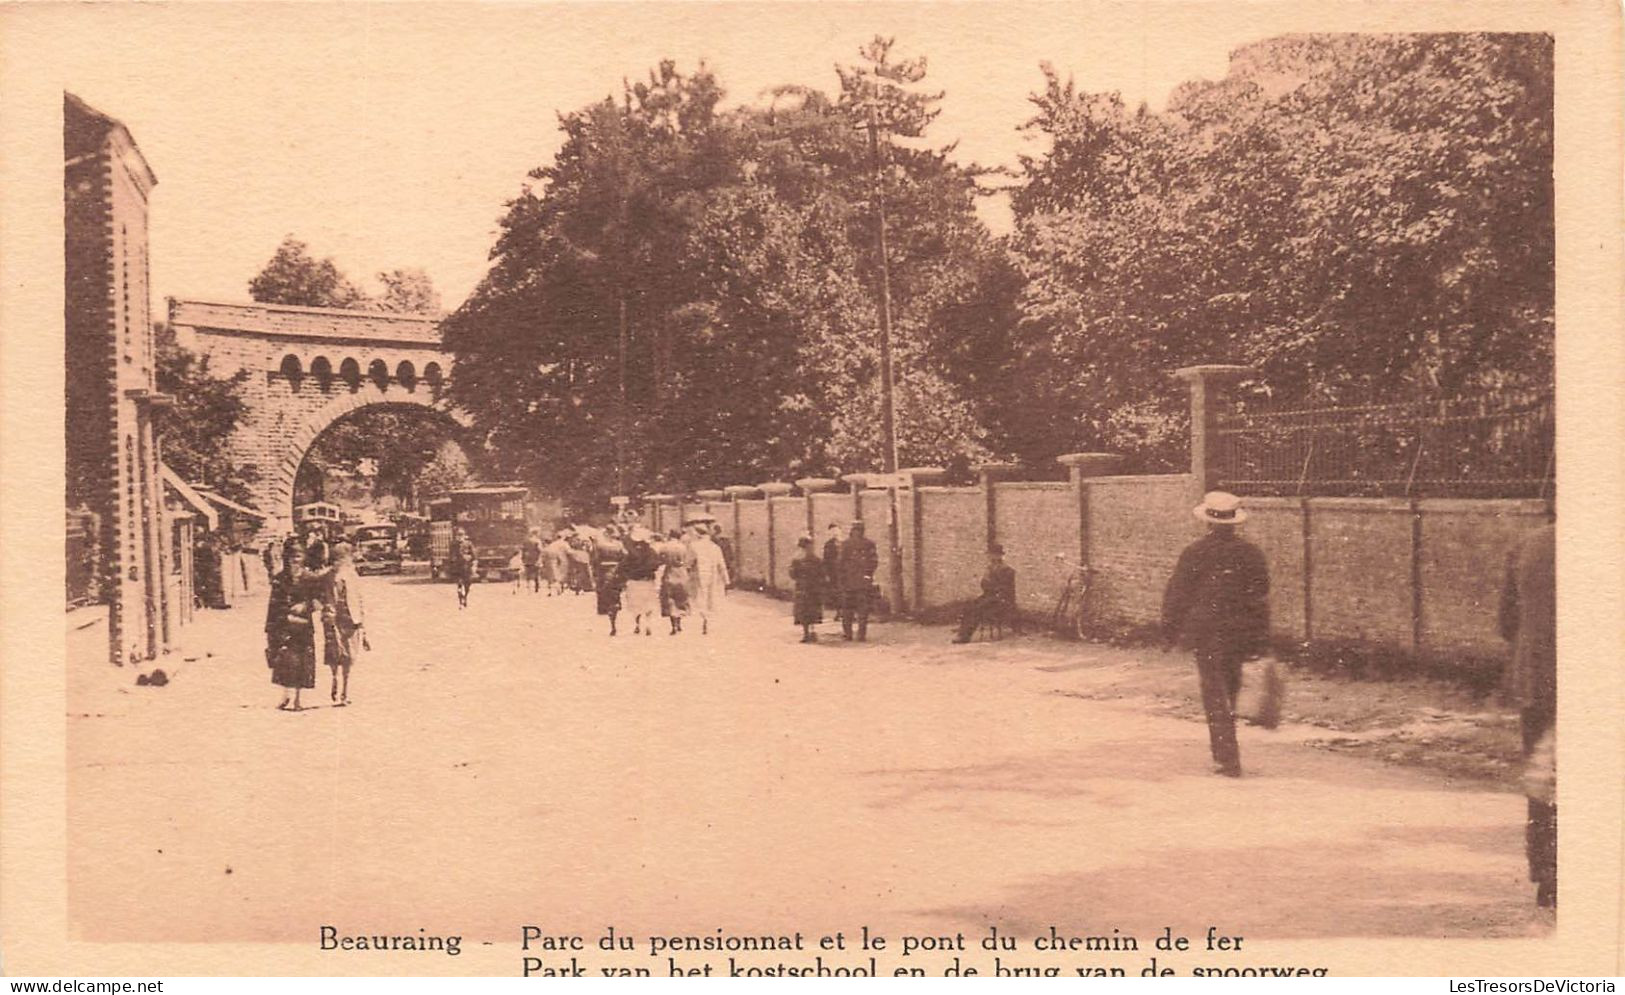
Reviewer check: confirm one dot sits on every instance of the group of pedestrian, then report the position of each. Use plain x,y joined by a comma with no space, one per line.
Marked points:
844,578
315,617
558,563
640,573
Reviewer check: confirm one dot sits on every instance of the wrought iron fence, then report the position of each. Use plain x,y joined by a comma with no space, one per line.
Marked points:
1492,445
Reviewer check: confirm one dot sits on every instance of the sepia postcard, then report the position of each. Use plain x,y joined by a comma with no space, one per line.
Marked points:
812,489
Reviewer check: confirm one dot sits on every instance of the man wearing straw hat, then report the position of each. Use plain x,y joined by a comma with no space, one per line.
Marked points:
1217,602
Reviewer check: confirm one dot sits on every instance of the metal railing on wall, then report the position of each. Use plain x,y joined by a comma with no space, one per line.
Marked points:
1498,444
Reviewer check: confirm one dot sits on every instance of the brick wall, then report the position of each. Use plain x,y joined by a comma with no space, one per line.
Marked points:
1034,522
876,519
1360,552
1275,525
789,523
829,508
955,543
750,545
1136,529
1461,577
1360,558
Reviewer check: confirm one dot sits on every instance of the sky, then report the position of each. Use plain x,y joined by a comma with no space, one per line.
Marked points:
390,135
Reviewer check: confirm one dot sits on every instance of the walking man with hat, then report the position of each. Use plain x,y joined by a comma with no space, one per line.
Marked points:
1217,603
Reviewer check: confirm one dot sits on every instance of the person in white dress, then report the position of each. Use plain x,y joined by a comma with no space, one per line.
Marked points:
707,576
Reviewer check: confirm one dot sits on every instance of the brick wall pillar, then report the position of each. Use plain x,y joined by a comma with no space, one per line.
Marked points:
857,482
1207,385
737,493
810,486
918,477
771,490
1080,467
990,474
657,511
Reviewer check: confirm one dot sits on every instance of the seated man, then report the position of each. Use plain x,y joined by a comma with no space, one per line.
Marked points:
997,602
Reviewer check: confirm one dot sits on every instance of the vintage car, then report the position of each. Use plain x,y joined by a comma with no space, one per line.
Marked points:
377,548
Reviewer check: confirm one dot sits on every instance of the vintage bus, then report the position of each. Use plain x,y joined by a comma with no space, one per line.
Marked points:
439,535
322,515
495,518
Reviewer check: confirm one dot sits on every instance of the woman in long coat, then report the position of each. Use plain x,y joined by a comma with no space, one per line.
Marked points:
807,573
607,553
290,649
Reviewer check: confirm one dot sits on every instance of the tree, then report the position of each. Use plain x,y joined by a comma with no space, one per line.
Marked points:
206,411
447,471
733,254
387,448
294,276
407,290
1358,216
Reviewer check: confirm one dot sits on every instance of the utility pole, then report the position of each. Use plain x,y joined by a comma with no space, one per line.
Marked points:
626,420
888,410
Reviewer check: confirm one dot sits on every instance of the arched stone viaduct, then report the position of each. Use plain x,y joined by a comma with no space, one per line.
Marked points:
309,368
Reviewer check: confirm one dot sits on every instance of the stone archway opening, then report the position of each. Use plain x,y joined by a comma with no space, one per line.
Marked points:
381,457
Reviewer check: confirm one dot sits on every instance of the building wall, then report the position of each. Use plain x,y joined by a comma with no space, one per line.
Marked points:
112,453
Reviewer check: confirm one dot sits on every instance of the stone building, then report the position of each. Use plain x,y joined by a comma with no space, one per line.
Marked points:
113,465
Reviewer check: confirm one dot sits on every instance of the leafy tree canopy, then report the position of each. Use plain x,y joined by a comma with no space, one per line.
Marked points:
207,409
1356,216
737,252
294,276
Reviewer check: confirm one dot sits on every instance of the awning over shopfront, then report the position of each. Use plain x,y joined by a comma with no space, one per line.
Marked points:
189,495
230,505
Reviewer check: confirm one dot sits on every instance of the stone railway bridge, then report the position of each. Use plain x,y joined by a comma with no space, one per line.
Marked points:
311,367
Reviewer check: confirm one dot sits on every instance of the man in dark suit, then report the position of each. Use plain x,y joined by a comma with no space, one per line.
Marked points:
998,598
858,563
1217,603
832,567
1529,621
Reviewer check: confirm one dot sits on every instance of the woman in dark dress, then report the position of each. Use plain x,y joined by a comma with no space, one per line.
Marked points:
807,573
607,553
290,649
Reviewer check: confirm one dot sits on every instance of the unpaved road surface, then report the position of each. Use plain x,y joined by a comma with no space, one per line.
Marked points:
511,764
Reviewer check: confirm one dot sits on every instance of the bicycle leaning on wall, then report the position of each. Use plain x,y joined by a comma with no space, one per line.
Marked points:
1071,614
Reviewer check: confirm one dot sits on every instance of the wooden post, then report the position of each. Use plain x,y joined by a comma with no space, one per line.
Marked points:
857,481
1418,636
1308,573
810,486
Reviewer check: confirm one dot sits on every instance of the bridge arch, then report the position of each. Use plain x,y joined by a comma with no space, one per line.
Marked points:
278,496
313,367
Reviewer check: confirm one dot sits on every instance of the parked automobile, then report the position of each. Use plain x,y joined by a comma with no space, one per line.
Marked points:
377,548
